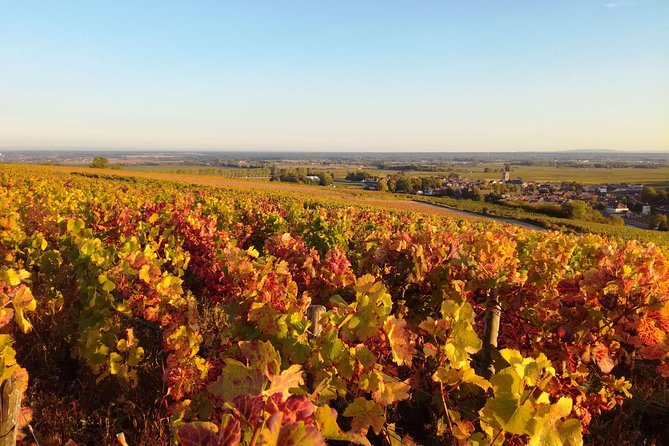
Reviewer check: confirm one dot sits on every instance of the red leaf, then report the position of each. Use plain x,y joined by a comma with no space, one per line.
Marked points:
201,433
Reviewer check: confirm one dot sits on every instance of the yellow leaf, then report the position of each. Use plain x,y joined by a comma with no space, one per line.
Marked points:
288,379
144,273
390,390
402,341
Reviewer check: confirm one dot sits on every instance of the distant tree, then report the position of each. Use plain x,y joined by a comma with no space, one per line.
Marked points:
486,170
575,209
473,194
648,194
507,167
403,184
659,221
616,221
493,197
416,185
661,195
358,176
430,183
382,186
100,162
326,179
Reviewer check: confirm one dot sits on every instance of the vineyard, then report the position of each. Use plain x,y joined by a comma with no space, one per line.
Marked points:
195,315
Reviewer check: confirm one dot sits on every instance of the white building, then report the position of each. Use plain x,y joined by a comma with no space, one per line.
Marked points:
616,209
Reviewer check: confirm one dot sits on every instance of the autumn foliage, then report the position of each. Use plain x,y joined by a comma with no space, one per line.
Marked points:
206,291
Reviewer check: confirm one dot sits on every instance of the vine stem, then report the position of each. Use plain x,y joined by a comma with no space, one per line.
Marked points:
443,400
256,434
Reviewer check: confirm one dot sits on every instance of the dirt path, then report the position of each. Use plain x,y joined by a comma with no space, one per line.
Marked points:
465,214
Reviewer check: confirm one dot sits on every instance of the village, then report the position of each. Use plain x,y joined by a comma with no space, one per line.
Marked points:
638,205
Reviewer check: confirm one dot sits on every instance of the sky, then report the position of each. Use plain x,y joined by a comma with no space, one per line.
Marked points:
321,75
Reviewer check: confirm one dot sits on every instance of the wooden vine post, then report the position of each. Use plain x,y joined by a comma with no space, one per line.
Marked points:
490,333
314,313
10,407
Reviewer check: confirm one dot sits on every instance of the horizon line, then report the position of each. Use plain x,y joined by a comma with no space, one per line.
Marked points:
324,151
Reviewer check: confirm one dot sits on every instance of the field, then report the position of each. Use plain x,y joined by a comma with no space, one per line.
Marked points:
232,312
352,195
478,210
583,175
657,177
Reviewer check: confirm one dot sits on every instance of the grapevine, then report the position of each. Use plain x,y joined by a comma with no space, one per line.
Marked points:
207,292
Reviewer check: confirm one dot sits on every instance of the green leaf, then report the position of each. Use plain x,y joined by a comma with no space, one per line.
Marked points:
107,284
364,355
552,431
236,379
326,421
300,434
465,337
261,356
337,301
75,226
372,306
23,301
365,413
115,363
454,377
507,381
511,416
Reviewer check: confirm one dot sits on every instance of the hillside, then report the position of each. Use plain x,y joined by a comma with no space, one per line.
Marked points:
226,313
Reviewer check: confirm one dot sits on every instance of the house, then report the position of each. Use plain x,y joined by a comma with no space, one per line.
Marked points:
662,209
544,189
518,182
370,184
314,178
616,208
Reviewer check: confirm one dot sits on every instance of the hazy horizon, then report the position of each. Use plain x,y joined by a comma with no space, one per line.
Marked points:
140,151
393,76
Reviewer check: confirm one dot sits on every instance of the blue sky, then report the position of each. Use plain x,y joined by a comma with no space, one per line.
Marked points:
461,75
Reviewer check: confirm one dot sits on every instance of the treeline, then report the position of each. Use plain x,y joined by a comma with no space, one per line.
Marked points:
410,185
574,209
302,175
359,175
412,167
652,195
576,164
244,164
224,172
